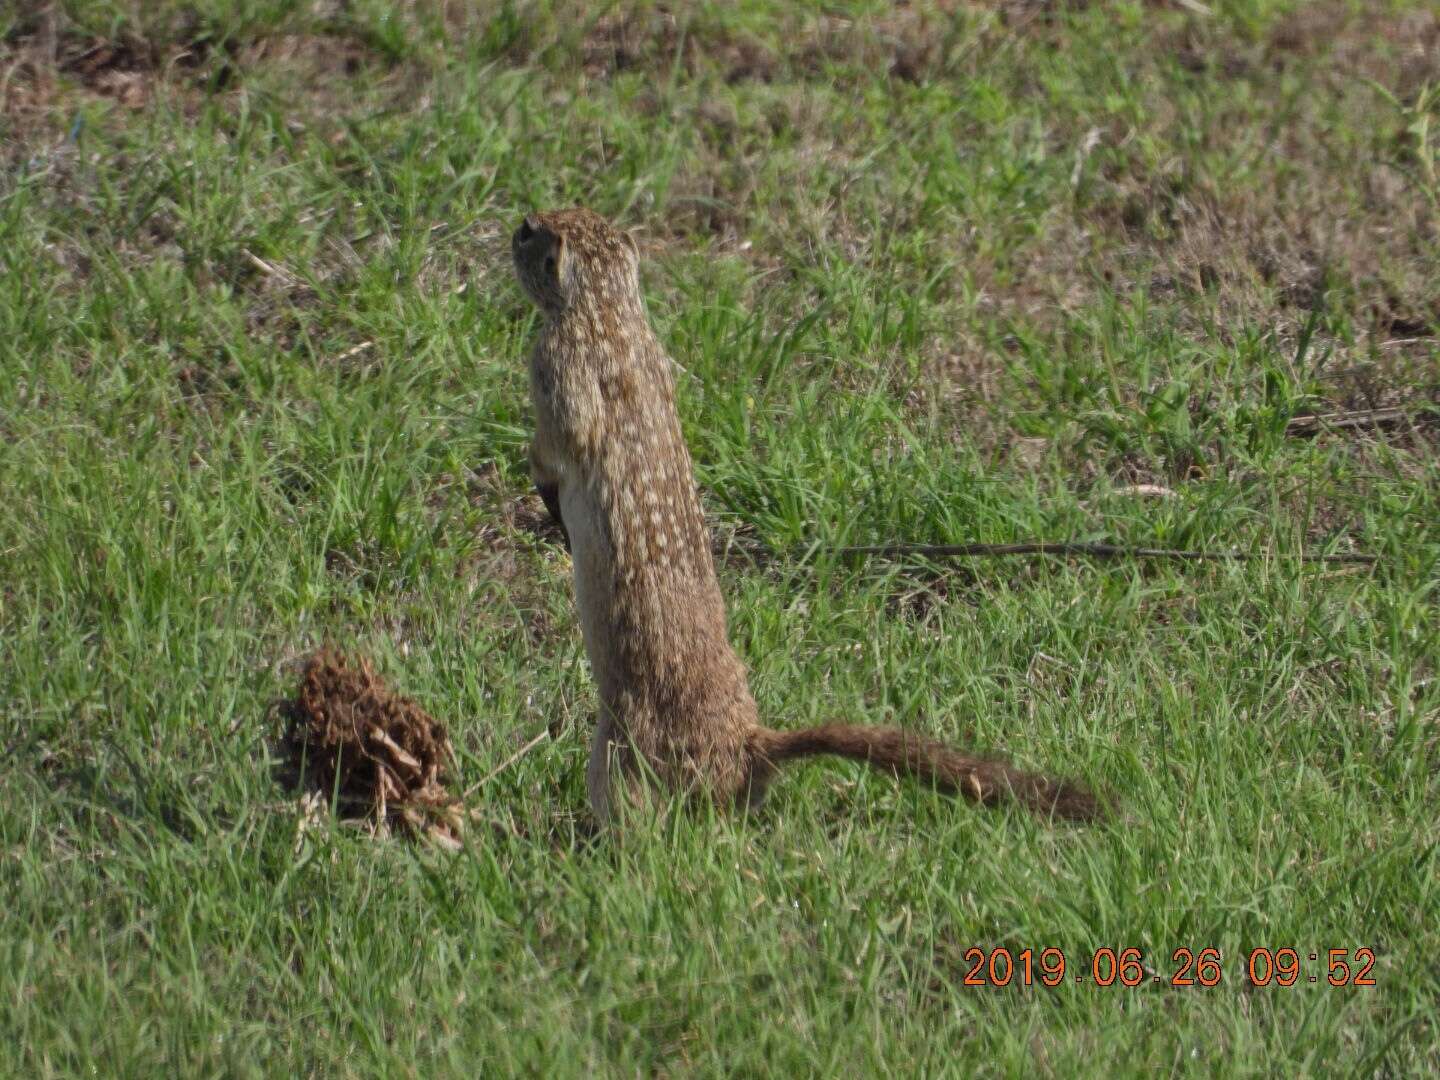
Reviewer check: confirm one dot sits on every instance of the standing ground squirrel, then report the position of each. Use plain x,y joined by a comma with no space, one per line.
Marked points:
611,464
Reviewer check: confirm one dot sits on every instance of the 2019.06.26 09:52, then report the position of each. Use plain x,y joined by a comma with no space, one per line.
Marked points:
1188,967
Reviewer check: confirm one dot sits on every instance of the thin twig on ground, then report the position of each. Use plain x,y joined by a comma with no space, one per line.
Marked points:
1092,550
511,760
1312,424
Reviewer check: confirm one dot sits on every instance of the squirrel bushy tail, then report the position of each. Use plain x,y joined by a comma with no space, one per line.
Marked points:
983,780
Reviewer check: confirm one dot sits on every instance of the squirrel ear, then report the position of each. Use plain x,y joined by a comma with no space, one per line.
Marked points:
630,243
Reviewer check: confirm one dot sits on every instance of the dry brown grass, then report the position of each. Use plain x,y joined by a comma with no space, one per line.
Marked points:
351,740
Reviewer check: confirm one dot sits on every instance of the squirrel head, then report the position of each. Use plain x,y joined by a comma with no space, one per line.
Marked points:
562,256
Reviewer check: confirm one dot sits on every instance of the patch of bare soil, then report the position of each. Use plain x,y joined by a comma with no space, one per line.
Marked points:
314,56
349,737
909,43
47,55
125,69
121,70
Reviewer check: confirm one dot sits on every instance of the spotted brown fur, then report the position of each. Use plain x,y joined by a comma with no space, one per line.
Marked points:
611,461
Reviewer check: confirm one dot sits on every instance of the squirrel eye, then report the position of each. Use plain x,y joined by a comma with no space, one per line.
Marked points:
550,265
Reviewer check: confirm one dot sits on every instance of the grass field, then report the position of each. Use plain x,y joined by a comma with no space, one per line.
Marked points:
949,273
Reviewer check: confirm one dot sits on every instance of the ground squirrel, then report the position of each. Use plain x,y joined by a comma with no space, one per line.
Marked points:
611,464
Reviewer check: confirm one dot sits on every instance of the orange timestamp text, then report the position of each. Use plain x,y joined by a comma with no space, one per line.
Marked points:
1188,967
